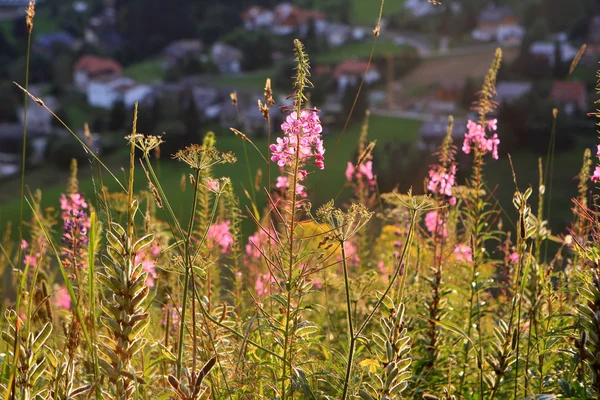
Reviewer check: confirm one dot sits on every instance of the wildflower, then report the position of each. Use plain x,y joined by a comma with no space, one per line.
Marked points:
262,285
257,242
31,259
219,235
596,175
441,179
433,219
462,252
475,137
63,299
514,258
150,269
283,183
302,136
76,224
212,185
24,244
363,171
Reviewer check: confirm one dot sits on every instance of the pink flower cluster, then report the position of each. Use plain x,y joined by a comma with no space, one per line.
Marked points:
434,223
303,132
596,176
302,138
263,284
364,170
462,252
62,299
283,183
148,261
31,258
76,224
220,235
441,180
475,137
258,242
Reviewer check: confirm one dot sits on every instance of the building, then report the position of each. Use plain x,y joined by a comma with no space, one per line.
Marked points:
105,91
351,72
101,31
257,17
570,96
509,92
547,51
290,19
89,68
499,24
182,49
228,59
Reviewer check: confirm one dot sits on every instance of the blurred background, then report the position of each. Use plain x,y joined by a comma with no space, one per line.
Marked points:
92,60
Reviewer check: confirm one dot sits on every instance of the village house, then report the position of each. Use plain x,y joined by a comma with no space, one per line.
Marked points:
182,49
571,97
421,9
257,17
104,92
448,93
207,101
227,58
11,139
499,24
290,19
340,34
509,92
38,118
89,68
350,73
547,51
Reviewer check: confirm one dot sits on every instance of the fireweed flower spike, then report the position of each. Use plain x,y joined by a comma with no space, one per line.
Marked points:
476,137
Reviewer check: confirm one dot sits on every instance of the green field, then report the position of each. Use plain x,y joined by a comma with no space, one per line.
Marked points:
146,71
367,11
360,50
322,185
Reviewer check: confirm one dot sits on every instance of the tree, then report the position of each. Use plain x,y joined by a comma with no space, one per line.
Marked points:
118,117
191,120
362,102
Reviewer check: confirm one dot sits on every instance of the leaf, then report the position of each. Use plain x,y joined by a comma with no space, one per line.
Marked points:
143,242
371,364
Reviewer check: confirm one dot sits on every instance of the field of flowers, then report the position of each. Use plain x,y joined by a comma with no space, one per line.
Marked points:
390,296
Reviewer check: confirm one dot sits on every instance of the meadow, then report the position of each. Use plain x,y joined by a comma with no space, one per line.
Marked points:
201,277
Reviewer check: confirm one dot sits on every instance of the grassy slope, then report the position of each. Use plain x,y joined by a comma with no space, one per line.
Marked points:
367,11
323,185
146,71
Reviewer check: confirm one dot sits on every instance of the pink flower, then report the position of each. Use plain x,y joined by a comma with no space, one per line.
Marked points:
63,299
462,252
24,244
349,171
514,258
31,259
441,180
302,137
596,175
150,269
475,137
351,252
258,242
212,185
433,219
219,235
381,267
262,285
283,183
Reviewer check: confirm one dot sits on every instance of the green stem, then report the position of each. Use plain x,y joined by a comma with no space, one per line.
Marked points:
350,325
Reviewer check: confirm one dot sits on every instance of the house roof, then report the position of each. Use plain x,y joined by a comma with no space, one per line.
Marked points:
95,66
508,91
353,67
564,91
287,14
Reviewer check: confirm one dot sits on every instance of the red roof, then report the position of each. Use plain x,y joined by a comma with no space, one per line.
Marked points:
298,16
95,66
564,91
352,67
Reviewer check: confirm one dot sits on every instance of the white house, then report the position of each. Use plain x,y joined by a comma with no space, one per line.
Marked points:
256,17
228,59
350,72
547,51
290,19
498,24
105,92
89,68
